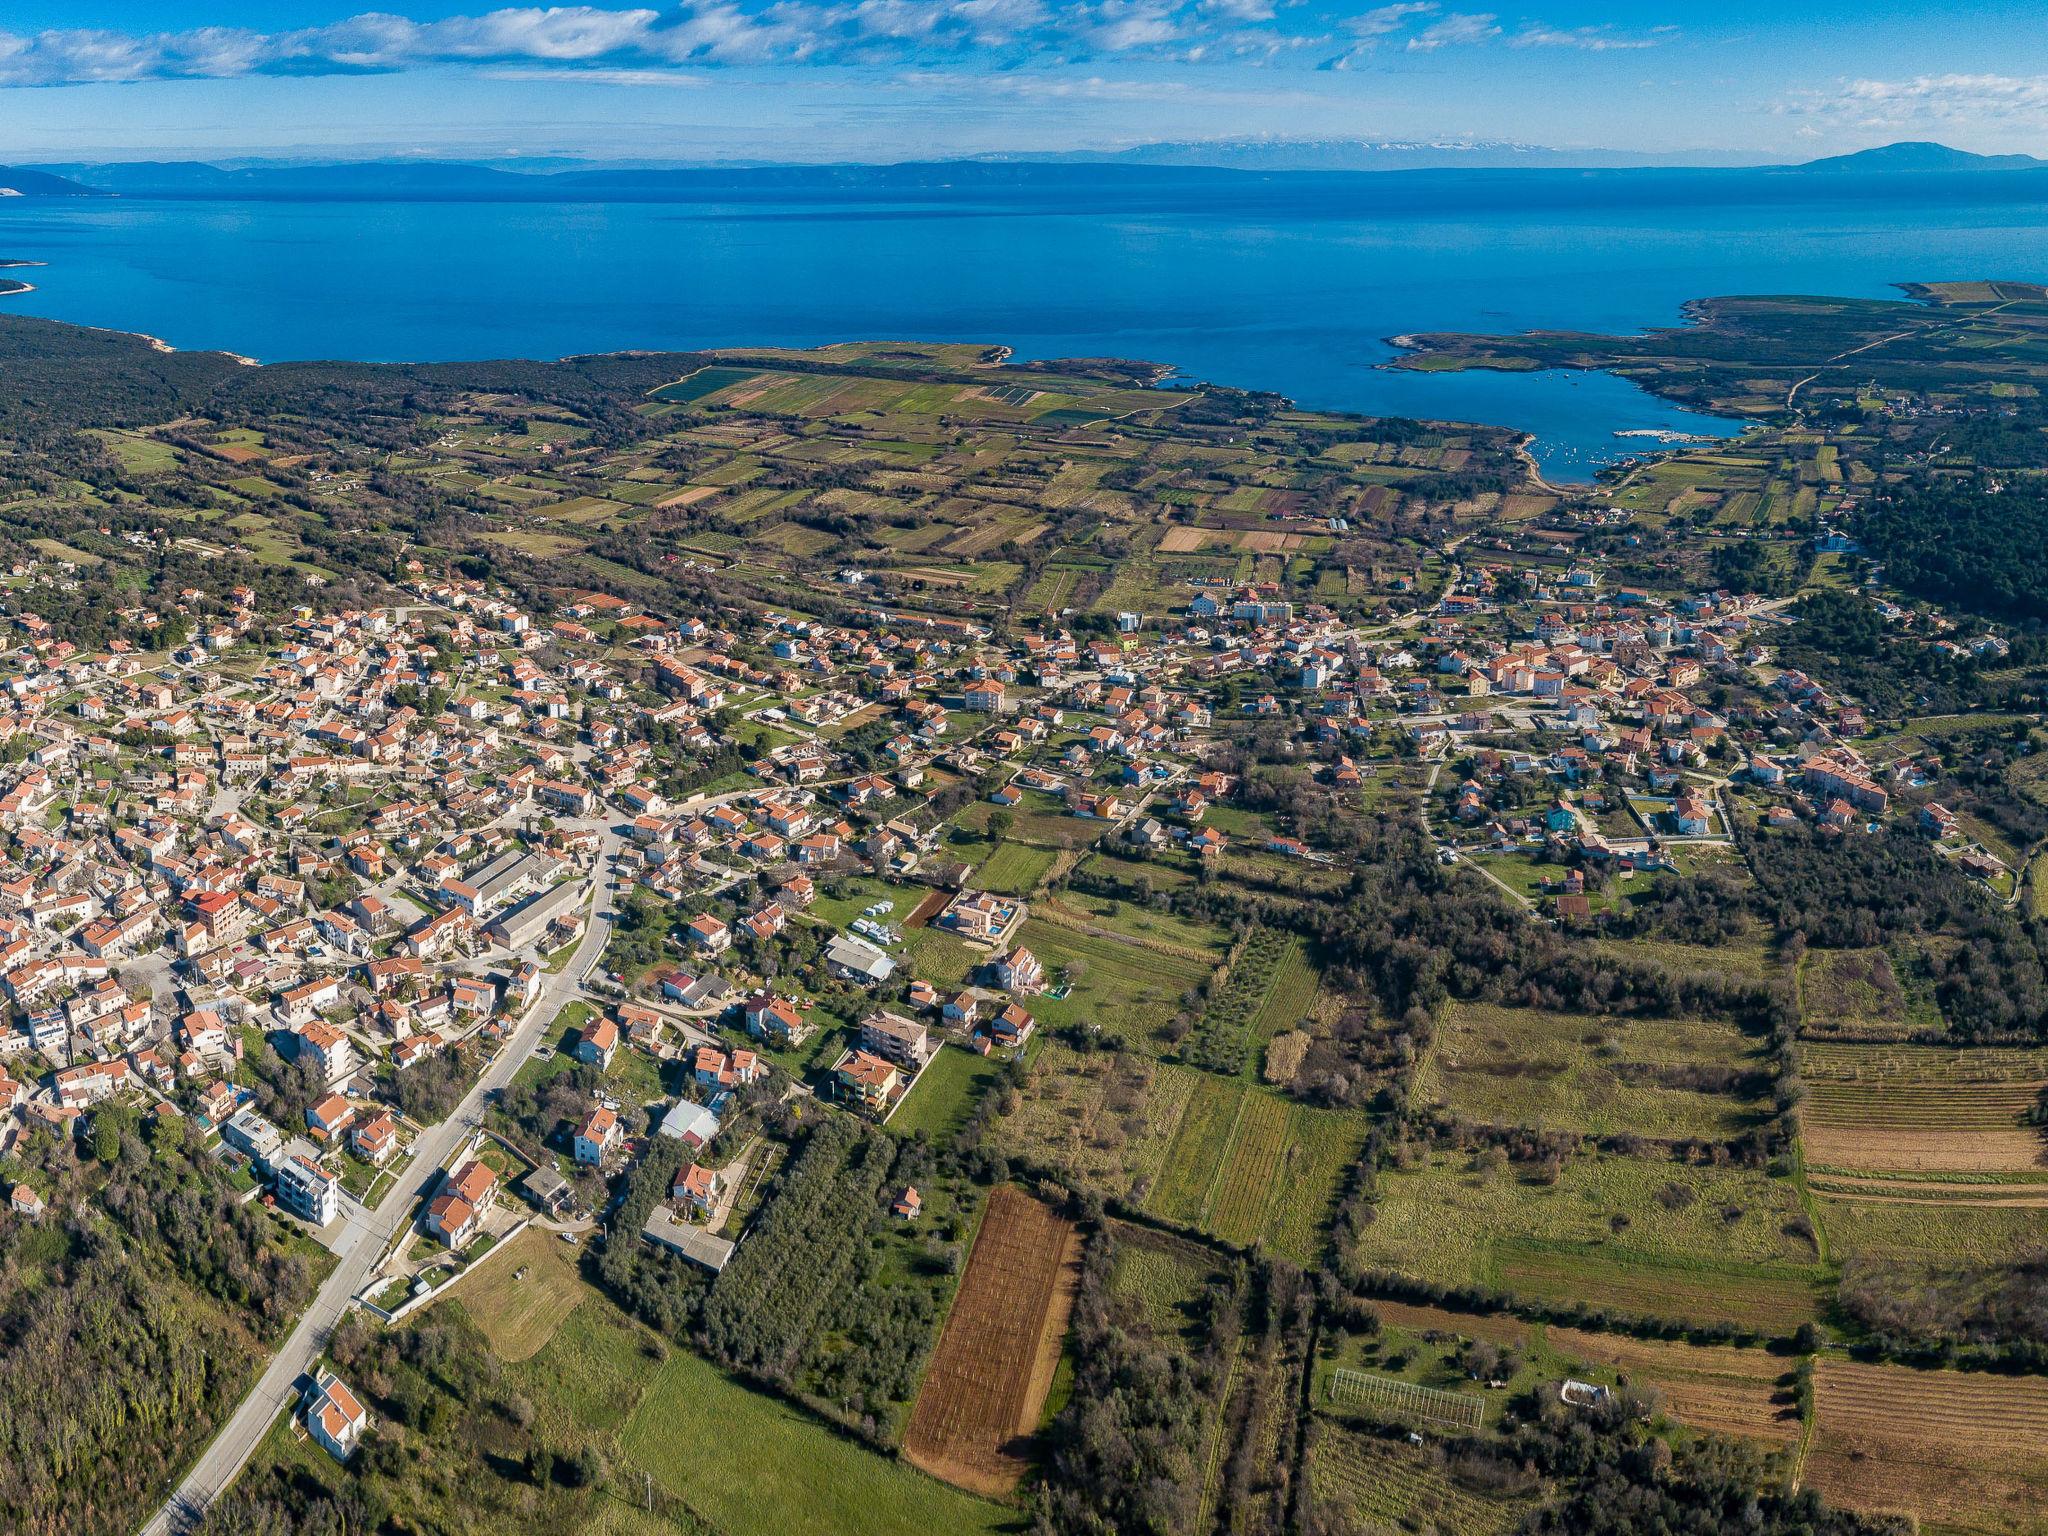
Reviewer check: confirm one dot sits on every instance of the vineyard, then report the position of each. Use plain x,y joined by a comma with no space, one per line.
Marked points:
1964,1452
1270,985
1389,1397
1389,1486
995,1361
1921,1109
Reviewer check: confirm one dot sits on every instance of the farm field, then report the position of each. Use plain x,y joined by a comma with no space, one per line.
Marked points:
777,1471
1921,1109
1707,1387
1390,1485
1712,1387
1658,1078
1955,1231
1269,986
1698,1242
1388,1397
1253,1168
995,1359
1163,1276
1106,1117
1167,930
1963,1452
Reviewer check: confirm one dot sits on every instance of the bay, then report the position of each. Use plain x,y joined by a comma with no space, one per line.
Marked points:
1295,291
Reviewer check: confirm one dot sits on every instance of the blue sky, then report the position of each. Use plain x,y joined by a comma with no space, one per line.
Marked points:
882,79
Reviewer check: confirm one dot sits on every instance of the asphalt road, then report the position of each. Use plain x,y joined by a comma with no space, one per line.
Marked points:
369,1231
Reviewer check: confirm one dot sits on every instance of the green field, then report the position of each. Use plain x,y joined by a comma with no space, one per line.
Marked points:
705,381
1700,1242
1270,985
754,1466
1113,986
1014,869
1164,1277
1600,1076
1390,1485
1254,1168
946,1093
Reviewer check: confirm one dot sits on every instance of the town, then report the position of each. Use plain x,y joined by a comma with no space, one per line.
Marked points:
790,971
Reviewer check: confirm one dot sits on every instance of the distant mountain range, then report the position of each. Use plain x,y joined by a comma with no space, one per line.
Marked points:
1261,154
1497,154
1919,156
1156,168
20,181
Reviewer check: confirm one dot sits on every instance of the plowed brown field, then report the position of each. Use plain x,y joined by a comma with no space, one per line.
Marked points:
995,1361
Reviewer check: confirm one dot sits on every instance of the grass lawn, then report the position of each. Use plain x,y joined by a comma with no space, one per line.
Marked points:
1014,869
520,1298
946,1093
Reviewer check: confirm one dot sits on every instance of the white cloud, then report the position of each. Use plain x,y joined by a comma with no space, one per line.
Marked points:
669,78
1117,26
1239,10
1459,30
1588,39
1947,101
673,34
1381,20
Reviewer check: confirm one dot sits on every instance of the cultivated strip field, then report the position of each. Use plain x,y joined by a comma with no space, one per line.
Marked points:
1967,1452
1920,1109
995,1360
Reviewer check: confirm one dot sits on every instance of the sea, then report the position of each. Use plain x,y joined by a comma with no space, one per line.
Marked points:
1293,286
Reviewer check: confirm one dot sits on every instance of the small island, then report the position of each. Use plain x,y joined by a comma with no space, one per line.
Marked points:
10,286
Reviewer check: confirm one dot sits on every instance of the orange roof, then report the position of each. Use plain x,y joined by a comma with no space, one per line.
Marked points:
472,1181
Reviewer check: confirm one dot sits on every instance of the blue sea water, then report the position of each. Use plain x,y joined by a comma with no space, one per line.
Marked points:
1294,292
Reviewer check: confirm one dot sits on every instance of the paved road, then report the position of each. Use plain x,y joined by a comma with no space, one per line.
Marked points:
368,1232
